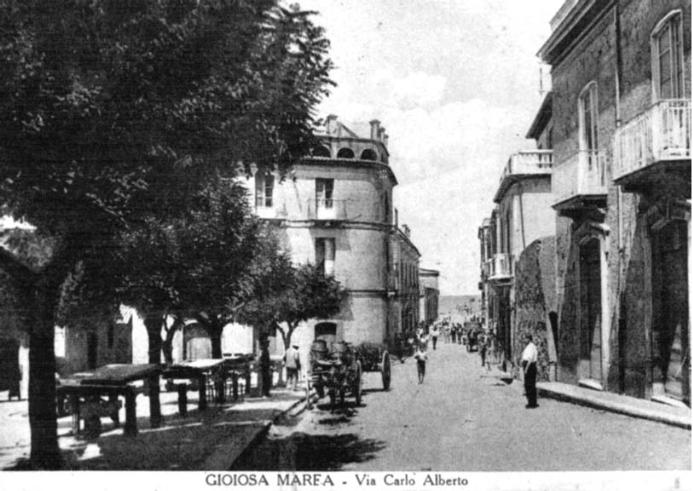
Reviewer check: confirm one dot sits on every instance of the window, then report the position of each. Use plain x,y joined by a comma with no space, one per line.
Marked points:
587,113
264,188
369,154
345,153
321,151
325,255
667,58
323,192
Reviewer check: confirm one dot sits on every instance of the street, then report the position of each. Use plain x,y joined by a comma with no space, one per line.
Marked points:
462,418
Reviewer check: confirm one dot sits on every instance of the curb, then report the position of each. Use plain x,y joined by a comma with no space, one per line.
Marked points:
225,456
616,407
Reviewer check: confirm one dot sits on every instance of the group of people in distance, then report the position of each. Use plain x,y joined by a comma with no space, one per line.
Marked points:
487,345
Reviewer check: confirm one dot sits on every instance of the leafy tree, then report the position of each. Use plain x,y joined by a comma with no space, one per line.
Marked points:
219,246
304,292
113,114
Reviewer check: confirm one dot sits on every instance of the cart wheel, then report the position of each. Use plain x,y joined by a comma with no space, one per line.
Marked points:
357,386
386,373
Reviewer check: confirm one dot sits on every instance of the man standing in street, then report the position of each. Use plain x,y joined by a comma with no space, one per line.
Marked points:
434,335
529,368
292,362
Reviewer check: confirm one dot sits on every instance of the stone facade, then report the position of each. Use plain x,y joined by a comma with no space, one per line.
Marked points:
534,288
620,234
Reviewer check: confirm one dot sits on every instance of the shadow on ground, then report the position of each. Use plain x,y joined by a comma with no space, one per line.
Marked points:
179,444
303,452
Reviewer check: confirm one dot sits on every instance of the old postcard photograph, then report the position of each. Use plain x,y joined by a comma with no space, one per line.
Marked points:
384,244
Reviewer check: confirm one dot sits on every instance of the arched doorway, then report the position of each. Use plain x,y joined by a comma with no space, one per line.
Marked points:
196,343
326,331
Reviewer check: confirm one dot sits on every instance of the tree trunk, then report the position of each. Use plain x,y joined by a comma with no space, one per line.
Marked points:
154,323
45,451
167,348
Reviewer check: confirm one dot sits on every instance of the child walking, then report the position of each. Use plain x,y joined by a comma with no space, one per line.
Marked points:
420,357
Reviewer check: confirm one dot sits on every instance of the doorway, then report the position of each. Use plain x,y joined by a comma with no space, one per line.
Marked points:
670,331
590,310
327,331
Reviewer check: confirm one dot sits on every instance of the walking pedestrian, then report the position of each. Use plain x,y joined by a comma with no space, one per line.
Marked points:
292,362
483,346
529,368
434,335
421,357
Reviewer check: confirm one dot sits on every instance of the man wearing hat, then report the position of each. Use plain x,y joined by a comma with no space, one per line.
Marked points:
292,362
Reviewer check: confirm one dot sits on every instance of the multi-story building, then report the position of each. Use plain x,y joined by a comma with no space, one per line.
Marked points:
405,295
486,248
429,293
522,215
514,244
621,116
335,210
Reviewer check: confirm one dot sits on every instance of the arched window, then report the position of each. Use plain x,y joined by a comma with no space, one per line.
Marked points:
326,331
321,151
667,57
369,154
345,153
588,114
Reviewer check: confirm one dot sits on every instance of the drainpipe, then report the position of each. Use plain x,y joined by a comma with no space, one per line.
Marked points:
620,325
617,83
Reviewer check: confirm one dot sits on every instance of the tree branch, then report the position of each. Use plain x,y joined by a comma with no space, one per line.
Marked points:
17,270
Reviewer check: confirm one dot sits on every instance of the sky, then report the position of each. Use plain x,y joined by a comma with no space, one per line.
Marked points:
456,85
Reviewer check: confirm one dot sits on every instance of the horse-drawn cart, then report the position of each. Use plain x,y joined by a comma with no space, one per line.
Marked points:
336,372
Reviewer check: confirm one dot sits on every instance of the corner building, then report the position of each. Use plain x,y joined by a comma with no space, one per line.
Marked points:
334,209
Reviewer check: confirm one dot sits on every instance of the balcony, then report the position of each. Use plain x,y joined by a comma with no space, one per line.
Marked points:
266,209
654,144
580,184
500,268
327,210
521,165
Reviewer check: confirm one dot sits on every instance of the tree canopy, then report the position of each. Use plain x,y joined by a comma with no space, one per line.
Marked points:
114,114
303,292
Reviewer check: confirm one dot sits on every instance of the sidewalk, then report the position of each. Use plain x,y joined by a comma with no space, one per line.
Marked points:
210,440
607,401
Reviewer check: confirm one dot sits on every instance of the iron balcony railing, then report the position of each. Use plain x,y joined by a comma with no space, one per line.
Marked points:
327,209
583,174
661,133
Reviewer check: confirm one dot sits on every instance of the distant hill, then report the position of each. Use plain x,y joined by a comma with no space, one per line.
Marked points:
456,305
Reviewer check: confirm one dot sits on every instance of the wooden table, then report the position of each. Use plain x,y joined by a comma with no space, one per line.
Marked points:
113,381
200,371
